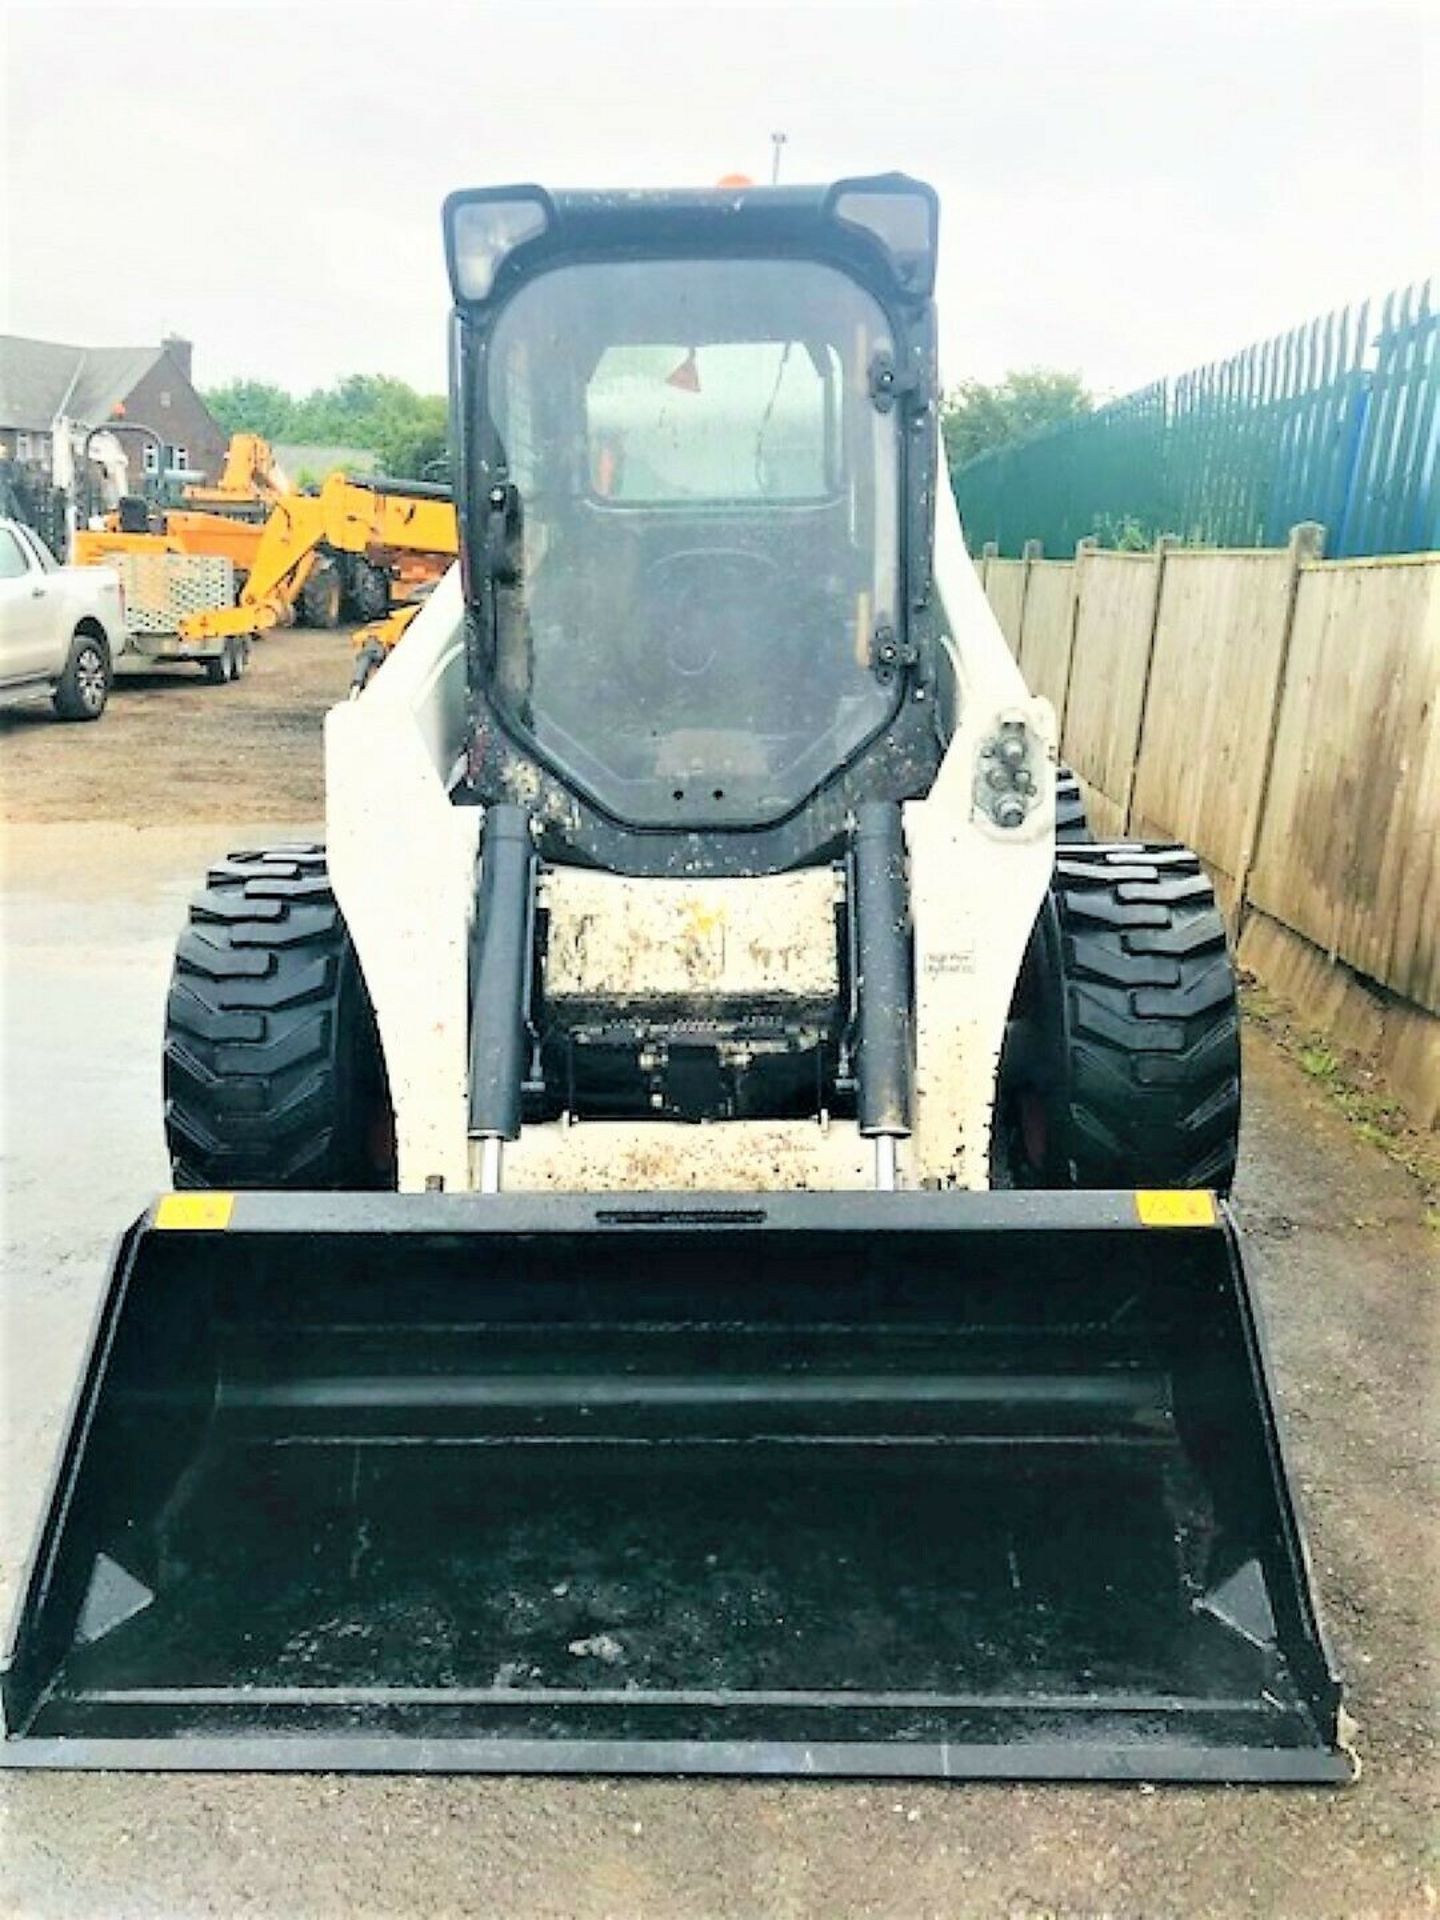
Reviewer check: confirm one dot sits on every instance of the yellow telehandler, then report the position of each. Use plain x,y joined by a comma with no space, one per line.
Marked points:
345,551
381,525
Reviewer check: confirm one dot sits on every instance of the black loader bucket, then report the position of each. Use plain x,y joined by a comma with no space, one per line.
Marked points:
949,1485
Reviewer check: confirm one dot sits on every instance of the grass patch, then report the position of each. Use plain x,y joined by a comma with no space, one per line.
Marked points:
1351,1083
1318,1061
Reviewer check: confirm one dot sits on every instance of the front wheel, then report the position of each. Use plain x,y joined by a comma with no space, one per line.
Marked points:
320,597
273,1070
83,688
1122,1061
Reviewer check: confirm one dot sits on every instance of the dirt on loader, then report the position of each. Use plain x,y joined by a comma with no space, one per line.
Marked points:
171,749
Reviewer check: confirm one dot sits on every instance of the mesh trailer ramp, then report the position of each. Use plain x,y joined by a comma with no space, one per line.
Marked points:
941,1485
162,590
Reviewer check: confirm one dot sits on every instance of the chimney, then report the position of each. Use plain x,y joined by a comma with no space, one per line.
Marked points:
180,352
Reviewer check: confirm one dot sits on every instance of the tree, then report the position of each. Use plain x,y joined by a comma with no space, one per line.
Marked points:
975,417
416,438
251,406
406,430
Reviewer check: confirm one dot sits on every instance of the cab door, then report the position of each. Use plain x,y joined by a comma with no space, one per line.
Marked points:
27,618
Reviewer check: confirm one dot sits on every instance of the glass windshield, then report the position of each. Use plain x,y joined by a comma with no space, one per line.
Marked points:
706,537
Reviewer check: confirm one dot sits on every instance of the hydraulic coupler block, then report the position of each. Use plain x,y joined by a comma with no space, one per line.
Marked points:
1010,771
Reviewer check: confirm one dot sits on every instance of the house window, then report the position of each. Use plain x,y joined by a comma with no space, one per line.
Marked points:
22,446
180,460
151,457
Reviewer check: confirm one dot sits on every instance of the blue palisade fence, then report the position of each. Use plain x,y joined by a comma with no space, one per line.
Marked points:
1338,421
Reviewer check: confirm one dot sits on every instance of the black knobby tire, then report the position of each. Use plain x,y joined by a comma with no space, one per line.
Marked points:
273,1071
320,597
369,591
1072,828
1123,1067
83,690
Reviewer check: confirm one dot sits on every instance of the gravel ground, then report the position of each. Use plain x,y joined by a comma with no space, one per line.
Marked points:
170,748
1346,1266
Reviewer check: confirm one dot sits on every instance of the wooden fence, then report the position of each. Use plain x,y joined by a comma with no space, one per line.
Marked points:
1281,714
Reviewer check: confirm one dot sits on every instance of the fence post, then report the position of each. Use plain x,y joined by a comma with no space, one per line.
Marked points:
1165,545
990,551
1306,543
1031,551
1082,547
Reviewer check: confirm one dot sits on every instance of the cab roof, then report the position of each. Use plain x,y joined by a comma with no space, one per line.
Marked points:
883,227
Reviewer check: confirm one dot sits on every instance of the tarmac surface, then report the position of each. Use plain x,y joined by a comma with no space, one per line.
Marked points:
1349,1273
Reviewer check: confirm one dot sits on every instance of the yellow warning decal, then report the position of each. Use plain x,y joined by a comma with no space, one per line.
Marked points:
1175,1207
195,1212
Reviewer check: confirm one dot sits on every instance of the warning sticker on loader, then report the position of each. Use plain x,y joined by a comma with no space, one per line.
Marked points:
195,1212
1176,1207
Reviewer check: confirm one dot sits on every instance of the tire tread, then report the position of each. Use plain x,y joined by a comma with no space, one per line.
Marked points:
264,990
1153,1089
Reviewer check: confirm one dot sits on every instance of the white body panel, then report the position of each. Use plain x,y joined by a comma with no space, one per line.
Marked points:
975,889
41,607
402,859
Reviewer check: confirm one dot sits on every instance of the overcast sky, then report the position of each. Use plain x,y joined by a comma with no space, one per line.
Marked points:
1127,189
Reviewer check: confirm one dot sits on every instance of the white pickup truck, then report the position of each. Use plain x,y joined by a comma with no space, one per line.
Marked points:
61,628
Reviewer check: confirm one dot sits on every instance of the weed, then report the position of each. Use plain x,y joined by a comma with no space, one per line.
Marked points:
1318,1061
1349,1082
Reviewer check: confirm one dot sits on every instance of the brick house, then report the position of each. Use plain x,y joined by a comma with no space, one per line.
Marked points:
50,392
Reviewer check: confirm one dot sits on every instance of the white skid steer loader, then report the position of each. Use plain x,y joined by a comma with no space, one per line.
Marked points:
699,1239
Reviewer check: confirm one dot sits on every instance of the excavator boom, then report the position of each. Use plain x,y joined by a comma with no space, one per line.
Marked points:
250,477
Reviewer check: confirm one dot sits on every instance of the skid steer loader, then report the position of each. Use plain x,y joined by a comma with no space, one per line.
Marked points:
695,1243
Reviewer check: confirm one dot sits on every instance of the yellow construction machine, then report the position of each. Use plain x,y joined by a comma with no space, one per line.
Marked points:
223,521
300,561
375,642
250,482
349,550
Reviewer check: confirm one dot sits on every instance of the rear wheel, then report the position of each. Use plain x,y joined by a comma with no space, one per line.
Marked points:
221,667
1122,1064
273,1071
1072,828
369,591
84,687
